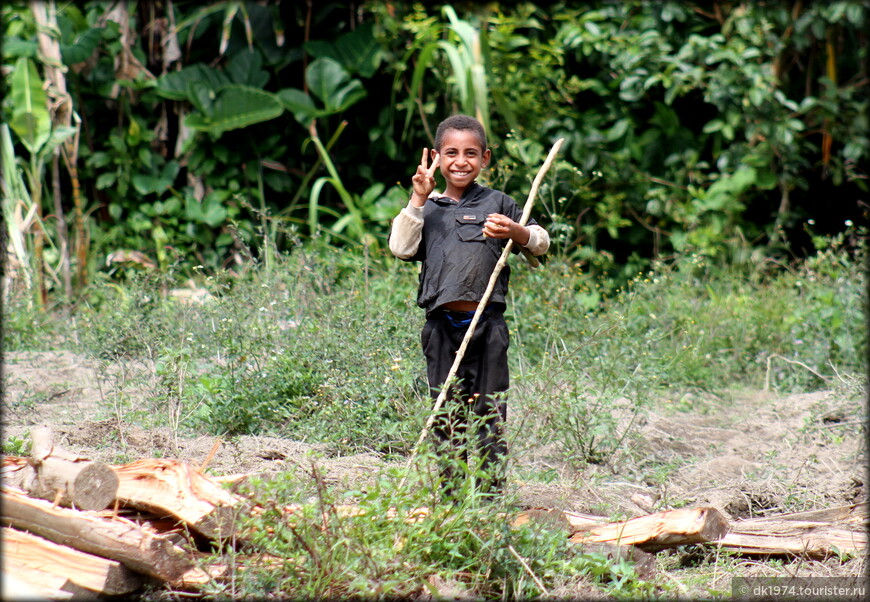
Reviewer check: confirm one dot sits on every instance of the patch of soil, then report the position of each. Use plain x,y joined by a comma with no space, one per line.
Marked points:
752,454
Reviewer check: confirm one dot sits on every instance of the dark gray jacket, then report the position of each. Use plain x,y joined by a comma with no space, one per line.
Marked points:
457,259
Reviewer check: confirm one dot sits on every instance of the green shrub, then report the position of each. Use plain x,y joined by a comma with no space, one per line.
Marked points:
384,549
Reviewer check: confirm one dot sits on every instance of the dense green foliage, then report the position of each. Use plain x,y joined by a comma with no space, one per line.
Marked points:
208,135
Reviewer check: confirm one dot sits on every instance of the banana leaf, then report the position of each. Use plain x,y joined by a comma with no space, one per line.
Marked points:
30,119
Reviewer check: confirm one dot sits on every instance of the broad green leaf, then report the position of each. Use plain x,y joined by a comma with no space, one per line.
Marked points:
59,135
147,183
346,96
99,159
30,118
16,47
331,83
104,180
714,125
201,96
300,104
357,51
618,130
210,211
213,211
246,67
175,84
236,107
82,49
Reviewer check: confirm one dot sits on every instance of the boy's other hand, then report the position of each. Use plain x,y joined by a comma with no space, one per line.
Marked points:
501,226
424,180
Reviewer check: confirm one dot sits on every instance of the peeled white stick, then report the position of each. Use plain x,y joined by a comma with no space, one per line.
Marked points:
460,353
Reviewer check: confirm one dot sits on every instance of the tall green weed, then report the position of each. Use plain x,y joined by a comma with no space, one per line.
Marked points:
591,363
388,543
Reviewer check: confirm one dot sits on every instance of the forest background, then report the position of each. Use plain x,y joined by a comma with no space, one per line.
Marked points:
216,135
196,199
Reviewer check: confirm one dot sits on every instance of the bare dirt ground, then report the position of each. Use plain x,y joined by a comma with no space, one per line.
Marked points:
751,453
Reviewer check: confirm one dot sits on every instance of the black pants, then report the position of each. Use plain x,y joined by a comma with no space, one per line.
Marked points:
482,380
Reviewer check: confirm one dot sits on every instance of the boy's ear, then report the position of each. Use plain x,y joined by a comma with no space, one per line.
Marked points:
486,155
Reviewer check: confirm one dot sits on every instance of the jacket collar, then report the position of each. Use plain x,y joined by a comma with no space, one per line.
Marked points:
473,190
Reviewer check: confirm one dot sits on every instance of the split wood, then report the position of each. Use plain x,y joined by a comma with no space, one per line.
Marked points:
527,210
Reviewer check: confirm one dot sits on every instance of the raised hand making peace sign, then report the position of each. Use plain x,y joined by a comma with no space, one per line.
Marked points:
424,180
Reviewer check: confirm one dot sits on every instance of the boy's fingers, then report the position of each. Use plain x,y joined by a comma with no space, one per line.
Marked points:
424,160
431,171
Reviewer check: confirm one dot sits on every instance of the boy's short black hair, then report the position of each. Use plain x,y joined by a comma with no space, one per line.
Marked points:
460,122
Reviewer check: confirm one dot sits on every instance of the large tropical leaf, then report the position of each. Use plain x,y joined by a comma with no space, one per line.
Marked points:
332,84
83,47
357,51
236,107
175,85
30,119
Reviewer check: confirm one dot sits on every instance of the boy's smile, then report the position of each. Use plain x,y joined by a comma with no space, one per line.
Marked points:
462,159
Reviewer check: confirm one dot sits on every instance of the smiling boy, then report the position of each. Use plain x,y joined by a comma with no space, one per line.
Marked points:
459,236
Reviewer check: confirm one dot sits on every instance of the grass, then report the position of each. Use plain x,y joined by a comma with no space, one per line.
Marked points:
385,549
323,351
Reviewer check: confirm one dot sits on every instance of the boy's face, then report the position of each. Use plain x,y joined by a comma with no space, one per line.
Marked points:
462,158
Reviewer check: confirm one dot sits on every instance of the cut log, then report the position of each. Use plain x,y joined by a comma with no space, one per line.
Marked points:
134,546
814,534
658,531
41,562
64,478
172,488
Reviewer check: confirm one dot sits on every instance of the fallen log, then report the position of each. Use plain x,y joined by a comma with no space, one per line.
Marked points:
171,488
136,547
51,473
658,531
814,534
50,567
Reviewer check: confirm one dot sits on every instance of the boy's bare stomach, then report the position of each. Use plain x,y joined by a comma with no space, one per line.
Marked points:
461,305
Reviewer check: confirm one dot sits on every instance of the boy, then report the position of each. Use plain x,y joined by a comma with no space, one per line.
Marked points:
459,236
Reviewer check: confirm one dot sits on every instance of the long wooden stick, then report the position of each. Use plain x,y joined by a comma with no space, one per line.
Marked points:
442,396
